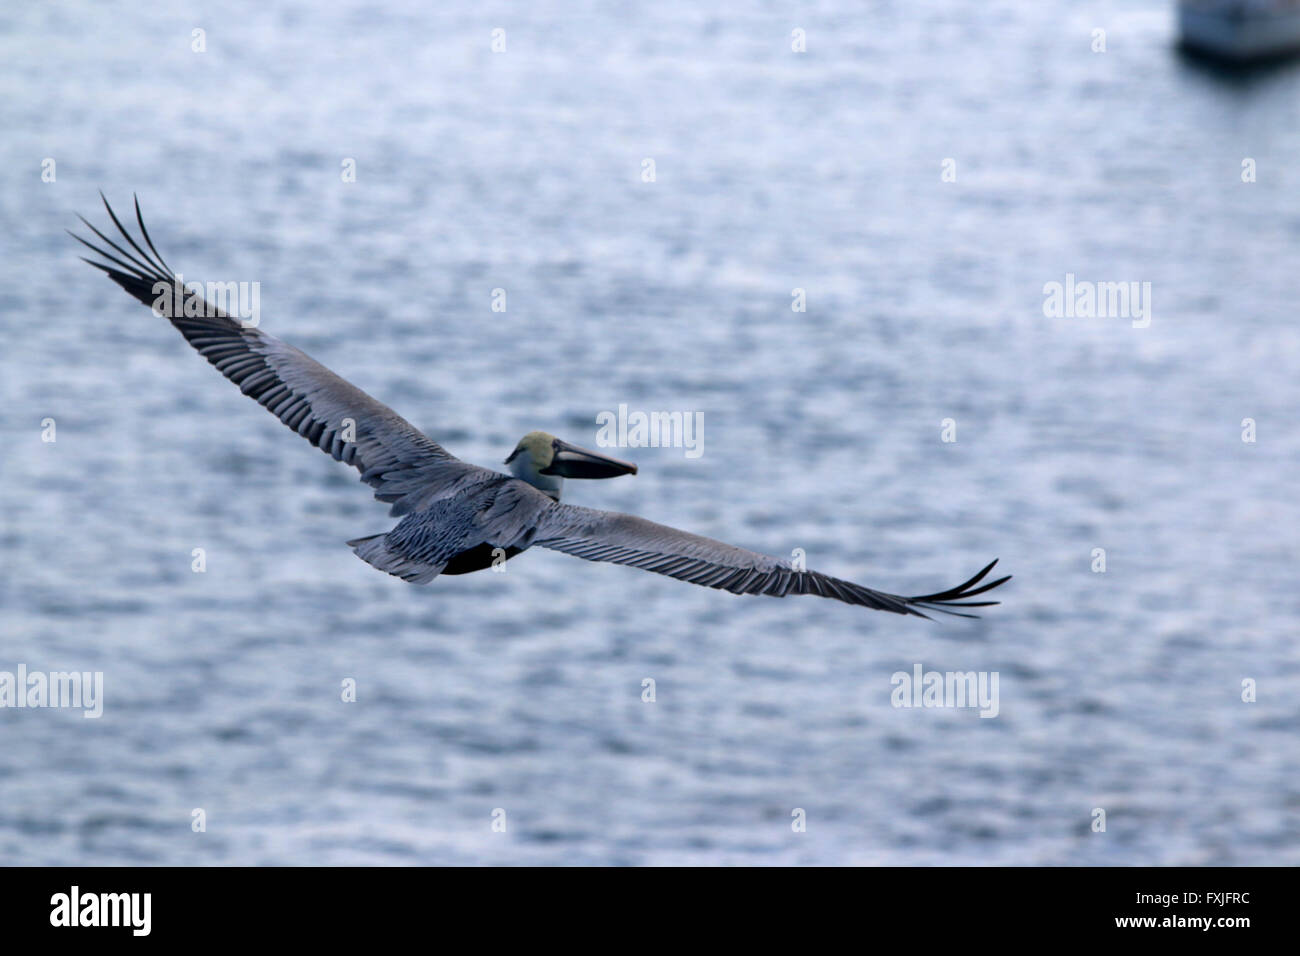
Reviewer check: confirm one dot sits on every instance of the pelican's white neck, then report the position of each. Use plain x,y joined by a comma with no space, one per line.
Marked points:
524,468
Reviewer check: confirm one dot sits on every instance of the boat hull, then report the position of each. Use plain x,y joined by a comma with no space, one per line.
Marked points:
1236,32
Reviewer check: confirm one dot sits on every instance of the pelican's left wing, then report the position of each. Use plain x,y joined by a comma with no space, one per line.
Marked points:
405,467
626,539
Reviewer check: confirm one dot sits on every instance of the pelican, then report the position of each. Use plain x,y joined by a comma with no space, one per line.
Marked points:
457,517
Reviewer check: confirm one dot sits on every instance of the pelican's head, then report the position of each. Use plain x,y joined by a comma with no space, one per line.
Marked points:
544,461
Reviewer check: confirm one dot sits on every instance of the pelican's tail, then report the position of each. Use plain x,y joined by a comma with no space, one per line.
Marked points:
374,551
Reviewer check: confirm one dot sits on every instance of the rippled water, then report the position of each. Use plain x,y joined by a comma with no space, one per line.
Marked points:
774,170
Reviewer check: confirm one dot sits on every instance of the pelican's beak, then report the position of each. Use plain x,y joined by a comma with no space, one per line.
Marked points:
570,461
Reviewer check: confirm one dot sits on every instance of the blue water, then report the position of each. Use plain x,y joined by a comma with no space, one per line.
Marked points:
774,170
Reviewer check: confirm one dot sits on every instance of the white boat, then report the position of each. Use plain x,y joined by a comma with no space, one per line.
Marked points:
1240,29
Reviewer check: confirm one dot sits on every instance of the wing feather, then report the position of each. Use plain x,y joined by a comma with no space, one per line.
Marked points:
626,539
406,468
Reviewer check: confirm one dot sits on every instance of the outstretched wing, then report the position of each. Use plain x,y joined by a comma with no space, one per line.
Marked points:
404,466
627,539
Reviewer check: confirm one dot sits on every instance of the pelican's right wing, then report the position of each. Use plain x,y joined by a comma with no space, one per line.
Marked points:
405,467
626,539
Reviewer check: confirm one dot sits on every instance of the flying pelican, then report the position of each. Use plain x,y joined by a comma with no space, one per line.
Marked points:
458,517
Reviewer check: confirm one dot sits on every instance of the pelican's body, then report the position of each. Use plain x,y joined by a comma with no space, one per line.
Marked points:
457,517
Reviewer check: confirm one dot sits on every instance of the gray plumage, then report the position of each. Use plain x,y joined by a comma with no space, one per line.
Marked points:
458,517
